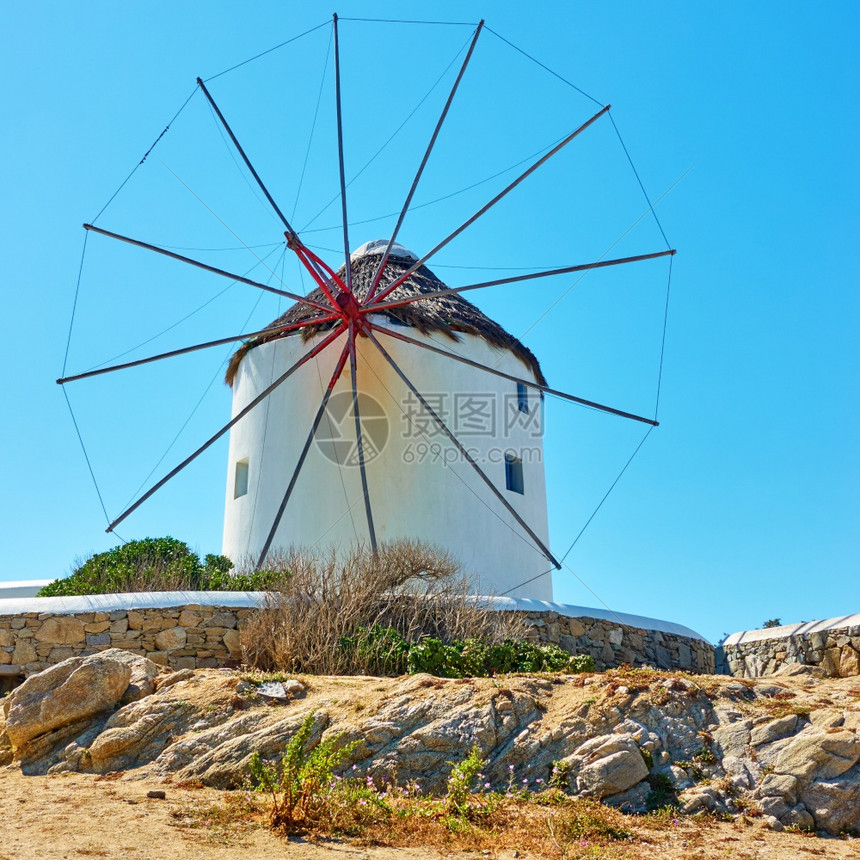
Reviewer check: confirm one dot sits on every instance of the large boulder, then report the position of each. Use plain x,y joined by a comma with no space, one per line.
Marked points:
835,803
70,693
817,754
604,766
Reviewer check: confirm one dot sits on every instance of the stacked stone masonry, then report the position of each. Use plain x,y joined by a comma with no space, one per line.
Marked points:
836,652
194,636
612,644
187,637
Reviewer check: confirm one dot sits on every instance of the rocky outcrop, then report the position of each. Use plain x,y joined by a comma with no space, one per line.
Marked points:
789,750
67,693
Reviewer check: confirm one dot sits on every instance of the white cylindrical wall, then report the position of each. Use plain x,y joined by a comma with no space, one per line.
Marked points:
420,486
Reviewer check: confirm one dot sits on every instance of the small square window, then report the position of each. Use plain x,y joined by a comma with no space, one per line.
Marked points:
240,485
514,474
522,398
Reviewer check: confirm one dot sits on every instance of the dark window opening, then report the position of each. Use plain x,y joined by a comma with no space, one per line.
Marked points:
522,398
514,474
240,486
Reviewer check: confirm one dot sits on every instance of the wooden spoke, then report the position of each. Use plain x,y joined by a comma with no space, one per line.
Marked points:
469,459
277,330
530,383
601,264
542,160
238,417
384,259
316,423
245,158
359,439
207,268
340,156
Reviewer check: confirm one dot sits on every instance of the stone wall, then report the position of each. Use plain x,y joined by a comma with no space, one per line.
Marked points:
186,637
833,646
612,644
182,634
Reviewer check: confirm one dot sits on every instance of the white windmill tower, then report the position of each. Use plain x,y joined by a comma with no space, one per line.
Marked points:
490,513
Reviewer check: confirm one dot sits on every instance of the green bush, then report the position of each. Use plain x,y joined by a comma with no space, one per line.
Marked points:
156,564
383,651
377,650
473,658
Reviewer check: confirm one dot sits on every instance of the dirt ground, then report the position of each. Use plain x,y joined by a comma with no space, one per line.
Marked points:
82,815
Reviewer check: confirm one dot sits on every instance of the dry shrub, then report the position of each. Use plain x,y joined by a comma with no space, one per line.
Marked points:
408,586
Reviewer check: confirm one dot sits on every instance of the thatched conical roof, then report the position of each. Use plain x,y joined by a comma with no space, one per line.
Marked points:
449,315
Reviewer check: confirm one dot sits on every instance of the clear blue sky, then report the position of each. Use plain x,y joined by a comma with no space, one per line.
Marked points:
741,506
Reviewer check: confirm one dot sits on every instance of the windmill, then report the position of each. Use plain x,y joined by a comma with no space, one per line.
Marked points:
370,324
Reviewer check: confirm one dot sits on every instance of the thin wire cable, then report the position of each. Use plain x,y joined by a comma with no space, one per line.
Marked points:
450,466
617,132
265,426
183,319
194,409
581,532
242,173
444,196
75,303
313,126
579,279
86,455
525,582
263,53
606,495
639,180
220,219
663,340
145,156
391,137
223,248
545,68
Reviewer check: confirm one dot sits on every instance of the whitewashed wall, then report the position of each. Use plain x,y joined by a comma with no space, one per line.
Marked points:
445,505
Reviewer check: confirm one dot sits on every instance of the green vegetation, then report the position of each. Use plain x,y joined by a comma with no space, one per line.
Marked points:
309,797
461,781
773,622
662,795
386,652
157,564
302,783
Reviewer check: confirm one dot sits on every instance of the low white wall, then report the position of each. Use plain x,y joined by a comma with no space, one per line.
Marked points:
22,588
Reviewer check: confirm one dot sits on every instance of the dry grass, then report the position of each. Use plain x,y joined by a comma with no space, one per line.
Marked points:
408,586
549,825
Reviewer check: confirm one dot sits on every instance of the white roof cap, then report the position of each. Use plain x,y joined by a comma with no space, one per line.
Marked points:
378,246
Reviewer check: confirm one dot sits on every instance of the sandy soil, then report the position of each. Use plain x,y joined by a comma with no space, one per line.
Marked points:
82,815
